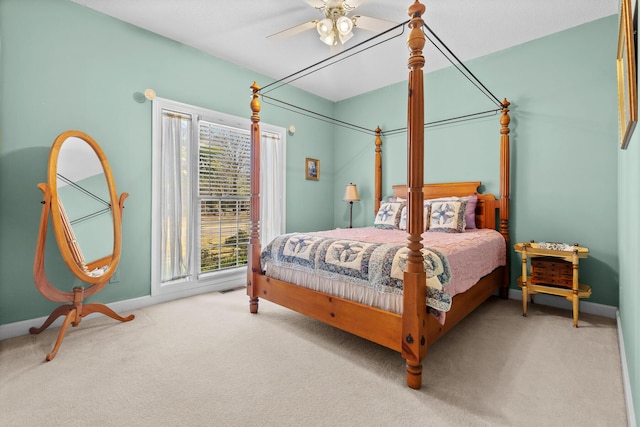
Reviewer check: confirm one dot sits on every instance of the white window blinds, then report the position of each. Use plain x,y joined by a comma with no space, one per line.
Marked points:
224,173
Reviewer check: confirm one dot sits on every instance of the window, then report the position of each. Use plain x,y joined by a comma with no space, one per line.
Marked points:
201,196
224,190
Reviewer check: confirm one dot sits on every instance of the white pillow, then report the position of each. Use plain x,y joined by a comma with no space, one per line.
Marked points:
388,215
447,215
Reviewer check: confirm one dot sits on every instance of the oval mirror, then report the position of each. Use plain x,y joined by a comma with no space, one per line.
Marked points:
85,211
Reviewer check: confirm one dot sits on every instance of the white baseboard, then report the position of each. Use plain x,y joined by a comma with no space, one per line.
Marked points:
15,329
560,302
628,396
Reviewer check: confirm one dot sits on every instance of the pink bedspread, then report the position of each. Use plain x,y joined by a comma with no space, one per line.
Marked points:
471,255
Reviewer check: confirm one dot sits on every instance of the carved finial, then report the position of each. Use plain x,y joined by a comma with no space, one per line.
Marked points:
416,8
255,103
505,119
416,39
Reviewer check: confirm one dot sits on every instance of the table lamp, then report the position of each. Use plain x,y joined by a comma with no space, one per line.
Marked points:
351,195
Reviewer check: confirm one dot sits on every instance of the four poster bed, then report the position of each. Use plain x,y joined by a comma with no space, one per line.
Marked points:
399,319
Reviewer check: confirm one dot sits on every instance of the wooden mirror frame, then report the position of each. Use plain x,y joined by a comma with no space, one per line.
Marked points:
68,247
76,310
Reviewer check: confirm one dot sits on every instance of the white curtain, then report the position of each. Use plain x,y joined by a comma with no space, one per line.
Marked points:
175,204
272,186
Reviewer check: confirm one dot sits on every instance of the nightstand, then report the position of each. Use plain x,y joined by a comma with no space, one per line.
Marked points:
554,271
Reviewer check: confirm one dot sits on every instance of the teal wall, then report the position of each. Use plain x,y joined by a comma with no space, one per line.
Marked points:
63,67
629,250
629,239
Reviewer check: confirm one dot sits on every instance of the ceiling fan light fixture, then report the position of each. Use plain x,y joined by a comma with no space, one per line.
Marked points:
344,37
336,27
324,27
329,39
344,26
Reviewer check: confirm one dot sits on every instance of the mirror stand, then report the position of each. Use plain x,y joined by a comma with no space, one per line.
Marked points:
75,311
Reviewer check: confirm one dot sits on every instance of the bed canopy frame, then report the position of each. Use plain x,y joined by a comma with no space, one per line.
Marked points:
413,330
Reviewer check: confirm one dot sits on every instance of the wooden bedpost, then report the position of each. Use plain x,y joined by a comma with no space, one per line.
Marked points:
505,173
414,341
253,263
378,175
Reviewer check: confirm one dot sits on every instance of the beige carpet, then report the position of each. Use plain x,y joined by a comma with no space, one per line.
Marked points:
206,361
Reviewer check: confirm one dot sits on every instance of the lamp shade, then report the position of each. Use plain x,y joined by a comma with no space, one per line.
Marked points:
351,193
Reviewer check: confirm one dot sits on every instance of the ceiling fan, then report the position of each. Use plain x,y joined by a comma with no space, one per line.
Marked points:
336,27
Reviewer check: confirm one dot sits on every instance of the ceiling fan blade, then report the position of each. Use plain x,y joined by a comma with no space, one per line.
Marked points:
305,26
354,3
371,24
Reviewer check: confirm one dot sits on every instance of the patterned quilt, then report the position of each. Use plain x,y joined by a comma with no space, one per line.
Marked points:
376,265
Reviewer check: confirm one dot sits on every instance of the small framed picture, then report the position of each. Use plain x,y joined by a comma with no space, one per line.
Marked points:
312,169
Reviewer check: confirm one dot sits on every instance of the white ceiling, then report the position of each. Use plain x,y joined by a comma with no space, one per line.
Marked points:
237,30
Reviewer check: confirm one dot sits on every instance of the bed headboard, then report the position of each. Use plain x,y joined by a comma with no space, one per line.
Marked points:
485,209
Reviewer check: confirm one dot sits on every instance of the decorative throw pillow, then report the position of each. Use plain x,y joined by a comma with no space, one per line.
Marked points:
470,212
403,219
426,214
425,217
447,215
388,215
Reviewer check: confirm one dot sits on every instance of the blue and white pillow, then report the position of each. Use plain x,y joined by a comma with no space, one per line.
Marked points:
403,219
388,215
447,216
425,217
